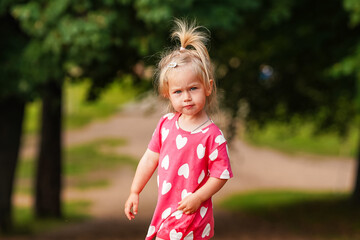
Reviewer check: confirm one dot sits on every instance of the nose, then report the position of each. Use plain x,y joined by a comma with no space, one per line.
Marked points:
187,96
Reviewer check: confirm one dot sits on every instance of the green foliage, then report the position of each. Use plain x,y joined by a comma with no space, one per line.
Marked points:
12,45
103,39
80,39
300,46
299,137
353,6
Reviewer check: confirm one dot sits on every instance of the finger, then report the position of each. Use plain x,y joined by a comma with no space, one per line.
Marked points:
181,207
129,216
135,208
128,212
189,212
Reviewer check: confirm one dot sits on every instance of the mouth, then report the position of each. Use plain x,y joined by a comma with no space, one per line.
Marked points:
188,106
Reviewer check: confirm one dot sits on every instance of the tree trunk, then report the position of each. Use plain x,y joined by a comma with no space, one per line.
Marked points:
48,169
10,134
356,192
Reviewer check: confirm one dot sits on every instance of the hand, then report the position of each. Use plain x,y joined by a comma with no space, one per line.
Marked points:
190,204
131,206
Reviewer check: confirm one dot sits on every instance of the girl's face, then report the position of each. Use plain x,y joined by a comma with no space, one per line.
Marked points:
187,94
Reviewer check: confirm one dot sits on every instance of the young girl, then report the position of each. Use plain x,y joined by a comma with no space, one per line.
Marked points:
188,149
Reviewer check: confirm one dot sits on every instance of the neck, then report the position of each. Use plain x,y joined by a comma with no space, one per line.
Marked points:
192,123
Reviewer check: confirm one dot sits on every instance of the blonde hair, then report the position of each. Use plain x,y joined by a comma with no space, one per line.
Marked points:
192,50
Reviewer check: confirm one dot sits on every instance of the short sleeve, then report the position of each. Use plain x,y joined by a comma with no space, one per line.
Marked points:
155,142
219,163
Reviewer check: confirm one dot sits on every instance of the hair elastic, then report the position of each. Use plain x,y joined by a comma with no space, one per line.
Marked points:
172,65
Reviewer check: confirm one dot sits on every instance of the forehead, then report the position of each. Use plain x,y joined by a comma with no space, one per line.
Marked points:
183,76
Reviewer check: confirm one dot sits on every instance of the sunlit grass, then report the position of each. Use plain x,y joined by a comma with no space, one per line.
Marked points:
300,138
267,201
323,214
86,184
26,223
80,160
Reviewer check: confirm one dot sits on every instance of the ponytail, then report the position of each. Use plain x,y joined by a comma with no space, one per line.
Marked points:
192,50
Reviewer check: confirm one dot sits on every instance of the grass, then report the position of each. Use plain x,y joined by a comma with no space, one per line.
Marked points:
89,157
79,161
84,158
79,112
299,138
26,223
86,184
325,215
267,201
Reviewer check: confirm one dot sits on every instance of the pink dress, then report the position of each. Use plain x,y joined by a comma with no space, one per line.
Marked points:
186,161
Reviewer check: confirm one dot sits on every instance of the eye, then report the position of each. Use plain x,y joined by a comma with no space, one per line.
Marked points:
177,92
193,88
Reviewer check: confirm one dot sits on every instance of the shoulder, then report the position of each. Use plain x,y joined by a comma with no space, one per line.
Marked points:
215,136
166,119
169,116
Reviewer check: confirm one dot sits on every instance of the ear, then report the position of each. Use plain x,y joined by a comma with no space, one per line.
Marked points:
210,88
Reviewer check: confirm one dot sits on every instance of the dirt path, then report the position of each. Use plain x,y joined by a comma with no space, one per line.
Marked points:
254,168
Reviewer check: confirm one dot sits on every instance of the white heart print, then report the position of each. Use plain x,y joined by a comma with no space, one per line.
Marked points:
205,130
190,236
175,235
166,213
165,162
184,170
151,231
220,139
184,194
178,214
169,116
201,177
200,130
200,151
165,187
225,174
206,231
214,155
203,211
164,134
180,141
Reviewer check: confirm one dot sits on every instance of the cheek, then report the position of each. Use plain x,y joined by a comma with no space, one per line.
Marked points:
172,99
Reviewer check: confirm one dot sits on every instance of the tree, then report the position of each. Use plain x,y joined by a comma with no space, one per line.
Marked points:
350,66
104,39
99,40
14,92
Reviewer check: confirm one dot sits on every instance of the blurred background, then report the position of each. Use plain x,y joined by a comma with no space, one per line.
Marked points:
78,109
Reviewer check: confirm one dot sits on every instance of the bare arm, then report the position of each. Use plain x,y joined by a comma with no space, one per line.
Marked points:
144,171
192,202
